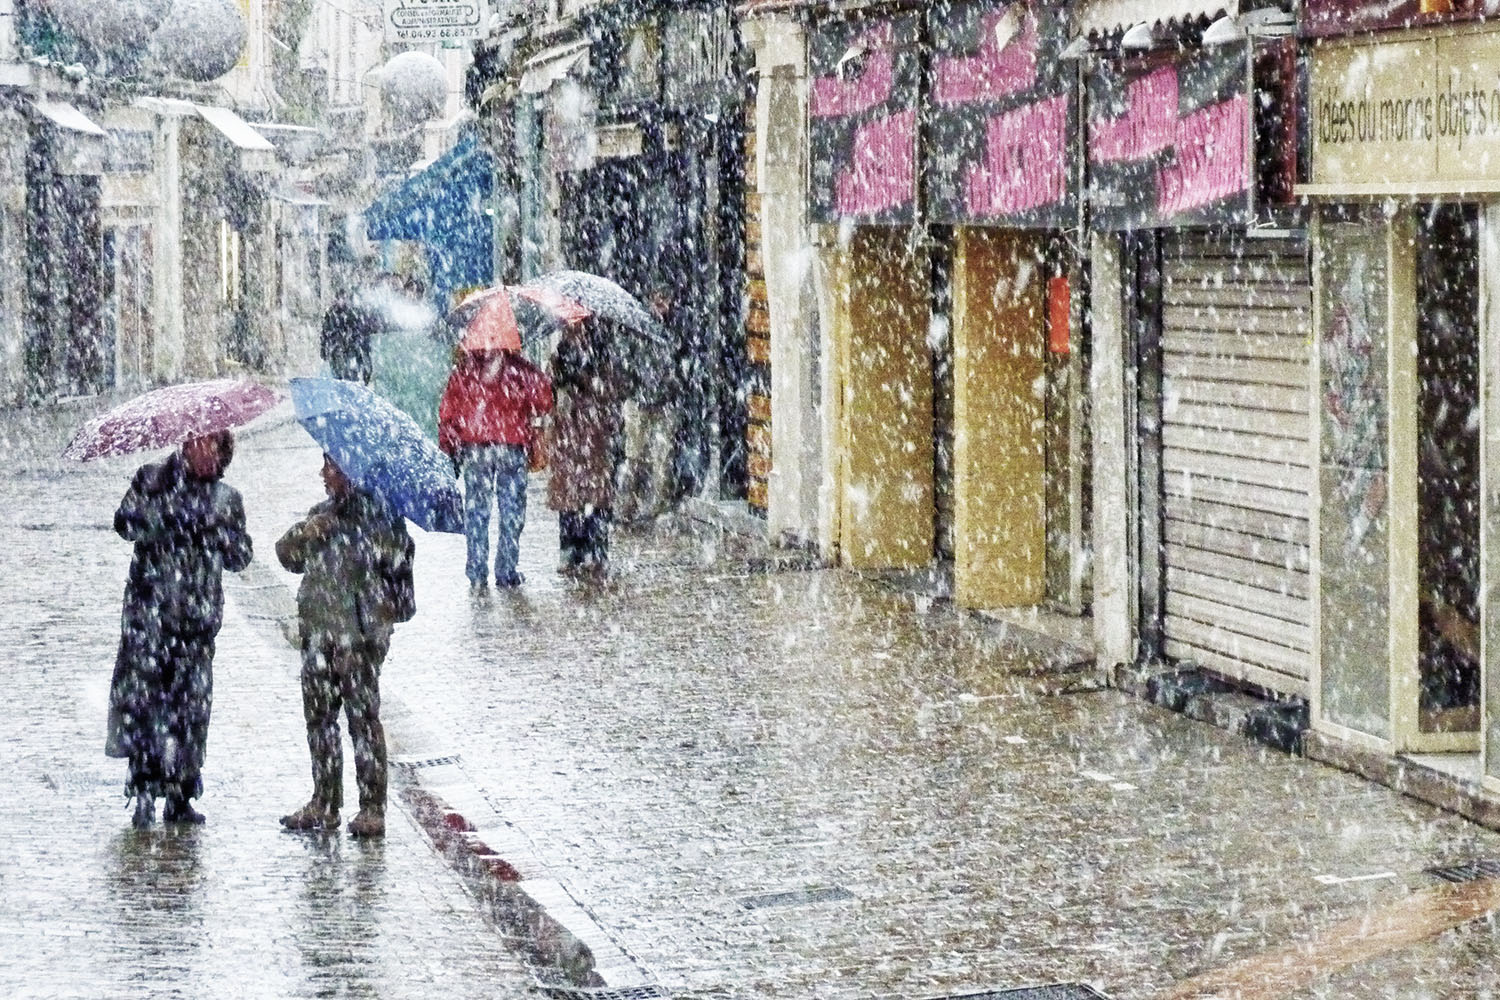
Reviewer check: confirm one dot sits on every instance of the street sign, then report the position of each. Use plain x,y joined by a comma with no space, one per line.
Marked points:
435,20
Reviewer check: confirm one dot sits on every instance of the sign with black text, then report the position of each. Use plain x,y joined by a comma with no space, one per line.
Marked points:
435,20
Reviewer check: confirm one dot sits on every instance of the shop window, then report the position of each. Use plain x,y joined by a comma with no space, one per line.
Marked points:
1448,492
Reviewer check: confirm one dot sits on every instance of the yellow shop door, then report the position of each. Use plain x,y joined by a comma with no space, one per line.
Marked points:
999,294
885,427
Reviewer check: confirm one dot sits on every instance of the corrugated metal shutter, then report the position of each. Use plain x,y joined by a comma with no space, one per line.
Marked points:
1236,356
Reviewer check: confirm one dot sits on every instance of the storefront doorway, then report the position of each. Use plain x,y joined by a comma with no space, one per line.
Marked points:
1448,491
885,435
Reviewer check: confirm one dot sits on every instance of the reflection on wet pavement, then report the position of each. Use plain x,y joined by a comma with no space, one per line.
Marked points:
90,908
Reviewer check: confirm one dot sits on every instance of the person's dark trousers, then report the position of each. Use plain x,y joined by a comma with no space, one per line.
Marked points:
494,472
583,538
570,538
169,707
344,671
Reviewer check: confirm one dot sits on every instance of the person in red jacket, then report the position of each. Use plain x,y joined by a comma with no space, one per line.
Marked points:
486,421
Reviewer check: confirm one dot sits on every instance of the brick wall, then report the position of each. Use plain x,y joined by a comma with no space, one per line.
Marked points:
757,338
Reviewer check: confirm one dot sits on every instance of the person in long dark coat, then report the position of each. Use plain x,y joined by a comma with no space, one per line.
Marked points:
188,527
588,391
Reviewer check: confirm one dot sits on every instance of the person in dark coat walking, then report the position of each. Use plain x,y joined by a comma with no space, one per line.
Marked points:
588,390
355,557
348,328
188,527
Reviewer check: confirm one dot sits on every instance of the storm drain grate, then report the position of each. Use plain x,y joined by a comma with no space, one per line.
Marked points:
606,992
1055,991
427,762
796,897
1469,871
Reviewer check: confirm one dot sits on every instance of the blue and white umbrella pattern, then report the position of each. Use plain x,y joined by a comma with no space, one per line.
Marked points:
381,450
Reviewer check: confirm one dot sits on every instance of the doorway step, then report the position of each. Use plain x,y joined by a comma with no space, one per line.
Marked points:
1449,781
1186,688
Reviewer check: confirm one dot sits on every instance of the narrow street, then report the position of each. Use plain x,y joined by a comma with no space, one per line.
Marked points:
674,745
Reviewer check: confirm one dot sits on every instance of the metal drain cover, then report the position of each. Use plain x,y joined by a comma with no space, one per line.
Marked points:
1469,871
1054,991
796,897
418,762
606,992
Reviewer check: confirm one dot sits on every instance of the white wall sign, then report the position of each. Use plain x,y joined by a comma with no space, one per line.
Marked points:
435,20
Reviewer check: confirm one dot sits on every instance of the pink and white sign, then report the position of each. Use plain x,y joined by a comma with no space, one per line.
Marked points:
1172,143
863,122
1001,113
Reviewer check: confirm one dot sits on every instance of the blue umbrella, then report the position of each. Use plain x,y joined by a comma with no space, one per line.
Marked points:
381,450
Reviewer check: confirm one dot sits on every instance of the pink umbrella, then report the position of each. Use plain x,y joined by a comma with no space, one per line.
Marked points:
505,316
170,415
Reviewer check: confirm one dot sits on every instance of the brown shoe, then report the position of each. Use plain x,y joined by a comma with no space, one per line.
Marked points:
313,816
367,823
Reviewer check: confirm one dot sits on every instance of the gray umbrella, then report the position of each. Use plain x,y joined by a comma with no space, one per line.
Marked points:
603,298
645,347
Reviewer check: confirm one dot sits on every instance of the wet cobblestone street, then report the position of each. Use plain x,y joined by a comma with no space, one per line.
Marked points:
238,908
673,745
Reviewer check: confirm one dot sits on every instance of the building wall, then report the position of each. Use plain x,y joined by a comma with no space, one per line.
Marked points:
798,421
12,249
1113,575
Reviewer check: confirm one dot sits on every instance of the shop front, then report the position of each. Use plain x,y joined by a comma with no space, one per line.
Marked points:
874,287
1404,175
130,203
65,352
213,261
1203,302
1001,120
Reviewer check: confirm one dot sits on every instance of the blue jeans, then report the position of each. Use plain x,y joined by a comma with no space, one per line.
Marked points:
494,474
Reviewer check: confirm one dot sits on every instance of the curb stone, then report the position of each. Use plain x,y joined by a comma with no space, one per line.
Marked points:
535,911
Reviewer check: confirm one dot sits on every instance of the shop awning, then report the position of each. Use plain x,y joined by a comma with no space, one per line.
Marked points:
256,151
64,115
443,207
546,68
1104,17
79,142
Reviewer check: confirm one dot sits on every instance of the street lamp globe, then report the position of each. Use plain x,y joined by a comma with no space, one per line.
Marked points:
414,85
201,39
109,25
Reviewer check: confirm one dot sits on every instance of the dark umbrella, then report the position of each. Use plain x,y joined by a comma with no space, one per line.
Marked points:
642,345
602,297
380,449
170,415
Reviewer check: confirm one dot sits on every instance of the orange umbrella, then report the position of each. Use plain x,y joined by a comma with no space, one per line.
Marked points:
493,325
501,318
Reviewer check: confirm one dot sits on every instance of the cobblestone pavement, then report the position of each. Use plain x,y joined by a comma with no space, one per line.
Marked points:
90,908
686,742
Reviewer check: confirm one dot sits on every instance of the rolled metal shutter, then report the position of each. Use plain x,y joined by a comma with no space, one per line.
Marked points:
1236,357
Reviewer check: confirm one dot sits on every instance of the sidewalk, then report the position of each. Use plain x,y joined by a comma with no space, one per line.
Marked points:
724,783
238,908
807,784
